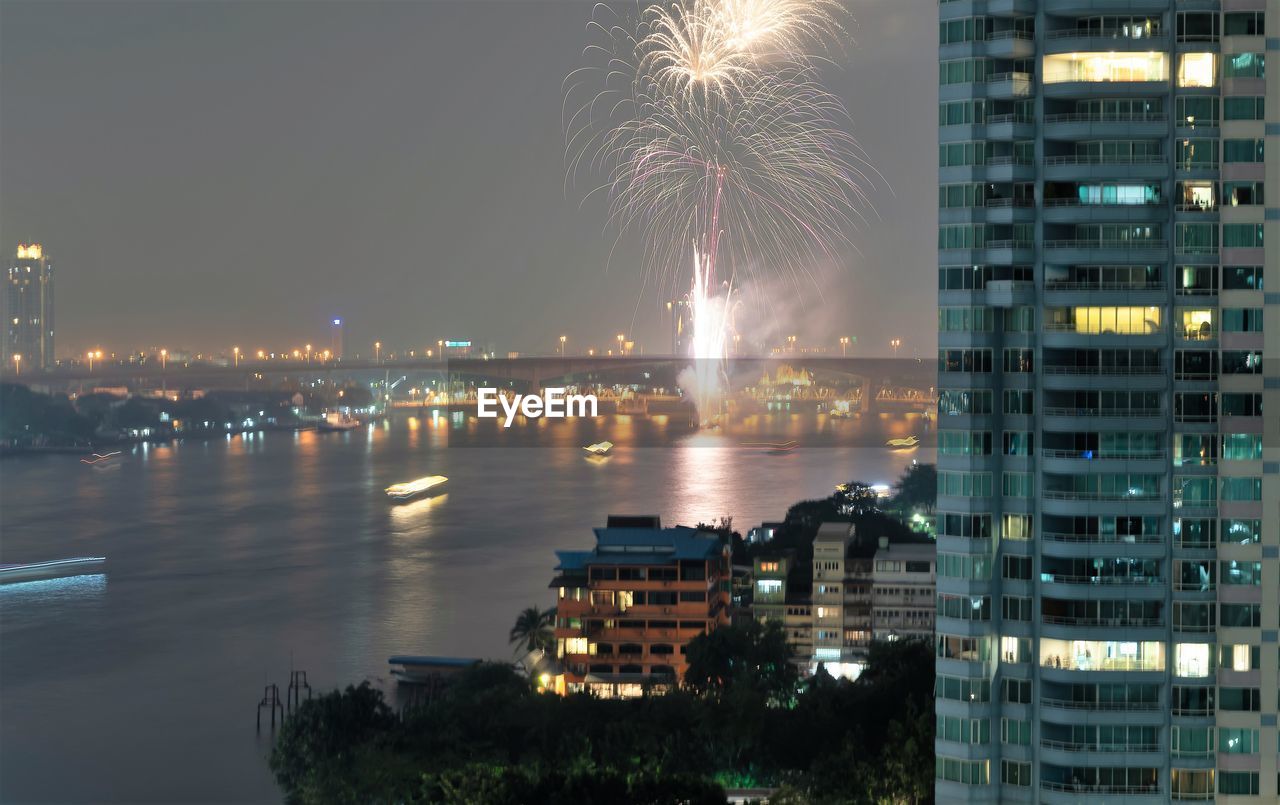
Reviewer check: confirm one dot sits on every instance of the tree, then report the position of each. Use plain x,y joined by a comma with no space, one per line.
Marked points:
533,629
918,488
752,657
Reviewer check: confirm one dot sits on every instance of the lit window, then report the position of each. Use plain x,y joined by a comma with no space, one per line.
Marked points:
1198,70
1192,659
1105,67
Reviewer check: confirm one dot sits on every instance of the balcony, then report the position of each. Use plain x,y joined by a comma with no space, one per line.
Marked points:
1079,746
1103,539
1081,788
1063,620
1121,707
1094,455
1009,85
1119,413
1102,581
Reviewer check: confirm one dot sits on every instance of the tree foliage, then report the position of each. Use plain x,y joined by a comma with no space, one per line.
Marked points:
491,739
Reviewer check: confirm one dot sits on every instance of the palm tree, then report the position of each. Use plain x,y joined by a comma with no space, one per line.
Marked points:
533,629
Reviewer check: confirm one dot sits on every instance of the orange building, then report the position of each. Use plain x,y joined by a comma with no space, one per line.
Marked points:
627,609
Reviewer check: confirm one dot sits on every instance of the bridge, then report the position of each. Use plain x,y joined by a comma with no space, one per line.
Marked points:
519,373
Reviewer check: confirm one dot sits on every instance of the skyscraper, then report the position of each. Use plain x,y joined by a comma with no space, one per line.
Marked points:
28,303
1108,488
337,339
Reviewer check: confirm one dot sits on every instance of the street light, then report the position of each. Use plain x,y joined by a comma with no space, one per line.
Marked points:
91,357
164,359
621,340
236,352
377,352
563,339
844,345
791,339
308,346
895,343
17,364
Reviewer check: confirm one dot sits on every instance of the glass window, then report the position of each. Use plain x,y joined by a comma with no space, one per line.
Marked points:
1244,107
1244,65
1242,150
1198,70
1242,278
1107,66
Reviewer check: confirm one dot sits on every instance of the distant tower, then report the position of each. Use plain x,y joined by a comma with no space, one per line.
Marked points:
336,339
28,306
681,326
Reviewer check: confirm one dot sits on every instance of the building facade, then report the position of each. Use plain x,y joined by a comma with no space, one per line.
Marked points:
1109,504
627,609
28,303
903,586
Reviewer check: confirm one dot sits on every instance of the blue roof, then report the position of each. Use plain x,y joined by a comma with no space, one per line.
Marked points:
643,546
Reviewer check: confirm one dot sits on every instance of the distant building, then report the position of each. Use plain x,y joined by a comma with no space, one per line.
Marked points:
337,339
28,305
681,316
769,597
903,586
765,532
841,601
626,609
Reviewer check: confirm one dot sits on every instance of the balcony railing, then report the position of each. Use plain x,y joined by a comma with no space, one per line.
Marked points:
1057,369
1071,663
1118,539
1011,117
1011,33
1094,455
1062,620
1128,707
1109,581
1107,159
1107,117
1074,201
1073,243
1086,788
1103,33
1007,244
1008,202
1083,746
1050,285
1137,413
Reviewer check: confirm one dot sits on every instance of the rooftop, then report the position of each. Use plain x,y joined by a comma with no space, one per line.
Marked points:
643,546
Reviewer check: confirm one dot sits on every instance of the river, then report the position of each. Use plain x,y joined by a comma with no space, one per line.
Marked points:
232,560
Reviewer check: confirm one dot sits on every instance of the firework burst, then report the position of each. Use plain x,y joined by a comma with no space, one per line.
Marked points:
716,138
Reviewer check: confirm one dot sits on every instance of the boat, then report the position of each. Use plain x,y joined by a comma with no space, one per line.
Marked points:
51,569
96,459
337,422
902,444
412,489
599,448
774,448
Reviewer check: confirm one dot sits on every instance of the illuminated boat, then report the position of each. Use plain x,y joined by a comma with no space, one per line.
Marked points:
412,489
97,459
53,569
774,448
902,444
337,422
599,448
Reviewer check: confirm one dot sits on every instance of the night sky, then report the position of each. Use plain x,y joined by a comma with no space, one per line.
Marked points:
215,173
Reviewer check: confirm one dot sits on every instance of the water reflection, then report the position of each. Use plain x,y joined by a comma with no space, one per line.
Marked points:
53,591
414,513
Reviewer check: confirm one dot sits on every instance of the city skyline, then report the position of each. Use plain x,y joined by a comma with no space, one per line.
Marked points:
310,212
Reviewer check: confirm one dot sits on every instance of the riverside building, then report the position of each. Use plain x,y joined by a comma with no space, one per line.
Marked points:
627,609
1108,487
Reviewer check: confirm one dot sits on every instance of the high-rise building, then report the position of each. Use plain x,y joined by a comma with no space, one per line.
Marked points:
28,304
337,339
1108,488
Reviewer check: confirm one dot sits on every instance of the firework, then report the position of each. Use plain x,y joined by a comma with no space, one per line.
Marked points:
716,137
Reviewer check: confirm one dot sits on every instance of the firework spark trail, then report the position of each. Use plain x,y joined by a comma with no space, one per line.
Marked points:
713,132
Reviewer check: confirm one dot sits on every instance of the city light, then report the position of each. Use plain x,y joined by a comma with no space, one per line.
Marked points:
17,364
235,351
563,339
894,344
844,346
377,351
164,359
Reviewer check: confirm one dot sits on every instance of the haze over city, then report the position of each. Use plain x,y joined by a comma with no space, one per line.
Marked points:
210,174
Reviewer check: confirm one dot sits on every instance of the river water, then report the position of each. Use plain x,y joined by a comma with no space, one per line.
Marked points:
230,561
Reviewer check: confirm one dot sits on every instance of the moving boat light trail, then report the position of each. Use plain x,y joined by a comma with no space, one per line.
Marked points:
715,135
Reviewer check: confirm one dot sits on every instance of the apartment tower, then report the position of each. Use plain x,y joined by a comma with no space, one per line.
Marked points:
1108,487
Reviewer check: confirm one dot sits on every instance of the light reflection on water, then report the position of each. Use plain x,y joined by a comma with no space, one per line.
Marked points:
230,559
